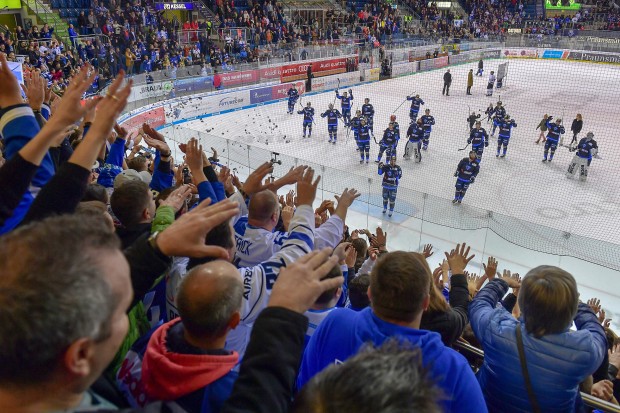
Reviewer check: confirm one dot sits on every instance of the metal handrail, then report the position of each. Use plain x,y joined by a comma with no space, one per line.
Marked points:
588,399
40,7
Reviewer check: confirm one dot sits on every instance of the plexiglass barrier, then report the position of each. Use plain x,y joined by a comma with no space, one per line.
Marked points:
420,218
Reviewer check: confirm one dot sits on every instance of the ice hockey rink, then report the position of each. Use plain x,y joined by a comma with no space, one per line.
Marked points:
539,205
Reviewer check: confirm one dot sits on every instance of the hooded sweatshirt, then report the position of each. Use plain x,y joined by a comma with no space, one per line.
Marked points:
344,331
173,368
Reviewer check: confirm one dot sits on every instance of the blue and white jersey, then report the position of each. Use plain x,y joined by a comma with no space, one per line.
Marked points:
467,169
391,175
308,113
345,102
499,112
368,111
478,138
415,133
315,317
355,124
332,116
415,103
293,95
505,127
390,138
554,131
364,134
428,121
586,148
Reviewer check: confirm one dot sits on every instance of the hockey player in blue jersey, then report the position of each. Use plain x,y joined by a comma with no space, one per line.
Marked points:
465,174
368,111
554,130
388,144
428,121
499,113
355,125
505,128
308,113
363,140
391,177
415,107
415,134
293,96
479,140
345,105
584,151
332,116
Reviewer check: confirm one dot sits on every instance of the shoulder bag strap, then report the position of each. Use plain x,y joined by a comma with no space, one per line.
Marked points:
526,375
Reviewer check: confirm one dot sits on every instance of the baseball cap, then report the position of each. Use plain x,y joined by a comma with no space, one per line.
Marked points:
131,175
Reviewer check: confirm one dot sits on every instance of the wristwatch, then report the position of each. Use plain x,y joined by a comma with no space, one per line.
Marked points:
153,243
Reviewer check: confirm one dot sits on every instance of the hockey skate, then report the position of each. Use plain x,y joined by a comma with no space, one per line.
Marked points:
384,210
390,214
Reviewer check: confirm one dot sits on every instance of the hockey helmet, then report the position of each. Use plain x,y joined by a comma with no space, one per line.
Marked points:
358,112
478,123
590,135
331,105
308,104
393,118
558,121
366,100
391,125
418,96
499,102
363,120
427,111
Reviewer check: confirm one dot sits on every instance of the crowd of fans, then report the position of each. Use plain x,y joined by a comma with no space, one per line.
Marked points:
134,280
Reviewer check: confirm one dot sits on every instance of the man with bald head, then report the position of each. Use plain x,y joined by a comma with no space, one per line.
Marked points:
257,239
185,360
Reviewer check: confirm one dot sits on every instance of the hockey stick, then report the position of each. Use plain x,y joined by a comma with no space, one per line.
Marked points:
462,149
401,104
337,87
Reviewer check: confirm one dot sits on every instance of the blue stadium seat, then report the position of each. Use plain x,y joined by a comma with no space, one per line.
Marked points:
55,4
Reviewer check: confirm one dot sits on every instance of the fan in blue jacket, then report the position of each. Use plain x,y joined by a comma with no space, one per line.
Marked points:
398,292
558,359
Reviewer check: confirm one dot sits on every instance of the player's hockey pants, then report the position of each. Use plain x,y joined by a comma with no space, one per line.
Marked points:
502,141
364,147
461,187
308,125
550,146
389,195
389,152
333,132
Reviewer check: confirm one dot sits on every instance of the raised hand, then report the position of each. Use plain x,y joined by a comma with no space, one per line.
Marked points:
287,214
290,198
379,241
347,197
186,236
9,86
70,109
34,89
152,133
458,258
428,250
291,177
306,188
254,182
301,283
614,358
513,281
341,251
178,198
490,268
193,156
351,257
595,304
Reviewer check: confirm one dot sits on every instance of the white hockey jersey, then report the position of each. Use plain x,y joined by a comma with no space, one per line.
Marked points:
256,245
